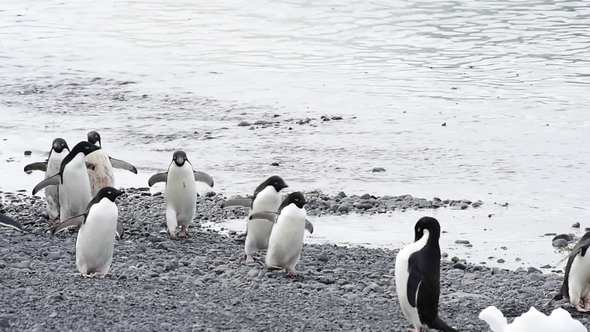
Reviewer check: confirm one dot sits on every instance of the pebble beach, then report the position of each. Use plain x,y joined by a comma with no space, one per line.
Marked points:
203,283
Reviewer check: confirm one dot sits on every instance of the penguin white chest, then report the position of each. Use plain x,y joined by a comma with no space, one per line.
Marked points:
402,275
258,230
96,238
181,193
286,238
74,190
579,277
103,174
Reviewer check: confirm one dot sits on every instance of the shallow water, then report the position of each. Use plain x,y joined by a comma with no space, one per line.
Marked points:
509,79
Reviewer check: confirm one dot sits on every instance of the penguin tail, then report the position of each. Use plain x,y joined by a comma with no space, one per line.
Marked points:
558,297
438,324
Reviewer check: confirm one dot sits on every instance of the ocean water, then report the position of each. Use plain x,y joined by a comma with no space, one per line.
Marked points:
456,99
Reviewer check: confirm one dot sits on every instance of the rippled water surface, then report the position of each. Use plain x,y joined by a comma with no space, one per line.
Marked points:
458,99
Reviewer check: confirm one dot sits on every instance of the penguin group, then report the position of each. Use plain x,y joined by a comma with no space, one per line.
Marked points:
80,191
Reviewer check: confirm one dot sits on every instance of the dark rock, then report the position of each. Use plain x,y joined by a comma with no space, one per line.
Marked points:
378,169
244,124
576,225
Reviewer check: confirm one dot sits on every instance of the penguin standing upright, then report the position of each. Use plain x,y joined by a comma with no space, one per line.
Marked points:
96,236
576,282
417,277
72,181
181,192
59,150
267,197
286,238
102,175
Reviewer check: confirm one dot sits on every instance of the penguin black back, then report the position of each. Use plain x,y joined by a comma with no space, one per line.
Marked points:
296,198
427,262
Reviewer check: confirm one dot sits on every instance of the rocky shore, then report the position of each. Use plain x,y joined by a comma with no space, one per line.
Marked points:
203,284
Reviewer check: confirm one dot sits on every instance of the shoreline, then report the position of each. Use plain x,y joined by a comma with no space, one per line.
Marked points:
203,283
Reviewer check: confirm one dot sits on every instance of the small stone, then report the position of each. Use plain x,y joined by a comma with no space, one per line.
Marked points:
336,117
459,266
462,242
477,203
274,164
559,243
253,273
328,280
534,270
341,194
171,266
364,204
262,123
576,225
28,153
378,169
4,323
244,124
501,261
53,256
323,258
344,207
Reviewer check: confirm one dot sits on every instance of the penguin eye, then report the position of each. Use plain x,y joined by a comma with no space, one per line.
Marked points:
109,192
86,147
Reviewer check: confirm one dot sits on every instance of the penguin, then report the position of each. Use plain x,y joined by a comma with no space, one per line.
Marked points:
59,150
267,197
181,192
96,236
576,282
417,277
286,238
103,175
9,222
72,181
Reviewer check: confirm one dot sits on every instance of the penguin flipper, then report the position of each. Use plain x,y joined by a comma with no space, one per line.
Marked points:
204,177
266,215
309,226
9,222
120,230
50,181
414,280
245,202
120,164
159,177
38,166
580,248
72,222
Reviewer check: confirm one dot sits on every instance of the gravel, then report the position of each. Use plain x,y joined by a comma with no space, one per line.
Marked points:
203,283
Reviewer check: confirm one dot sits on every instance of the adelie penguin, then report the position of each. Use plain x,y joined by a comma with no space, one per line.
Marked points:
286,238
96,236
181,192
267,197
72,181
576,282
417,277
59,150
102,174
6,221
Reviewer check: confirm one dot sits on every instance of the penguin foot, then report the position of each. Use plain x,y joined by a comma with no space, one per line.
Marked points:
580,309
289,272
586,305
249,259
183,233
173,235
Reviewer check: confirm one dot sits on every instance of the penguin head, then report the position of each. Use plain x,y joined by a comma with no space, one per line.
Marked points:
59,144
179,158
294,198
429,224
276,181
94,138
109,192
84,147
